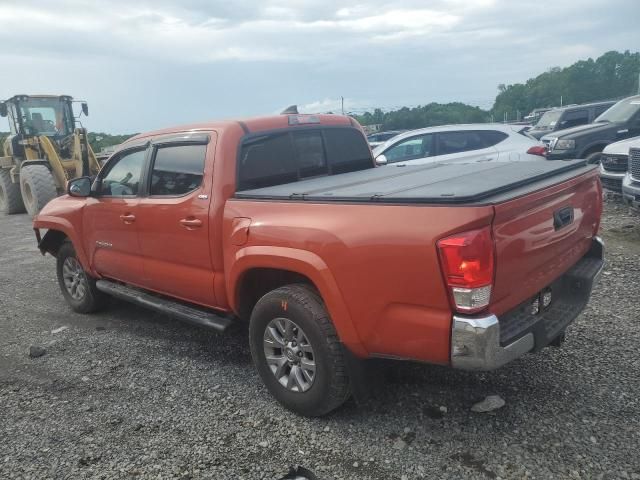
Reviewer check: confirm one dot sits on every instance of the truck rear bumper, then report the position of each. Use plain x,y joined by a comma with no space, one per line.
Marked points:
487,342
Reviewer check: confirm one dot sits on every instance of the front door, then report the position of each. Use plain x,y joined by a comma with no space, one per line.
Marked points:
110,217
174,220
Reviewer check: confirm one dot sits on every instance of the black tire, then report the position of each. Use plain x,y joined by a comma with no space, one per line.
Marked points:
37,187
92,299
302,305
10,197
594,158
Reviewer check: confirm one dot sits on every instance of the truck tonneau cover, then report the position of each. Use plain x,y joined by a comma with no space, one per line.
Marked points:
443,183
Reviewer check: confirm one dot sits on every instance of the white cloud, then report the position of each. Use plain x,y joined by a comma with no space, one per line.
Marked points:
148,63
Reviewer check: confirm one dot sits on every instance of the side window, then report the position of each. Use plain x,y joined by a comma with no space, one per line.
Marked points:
123,175
601,109
457,142
410,149
492,137
177,170
574,118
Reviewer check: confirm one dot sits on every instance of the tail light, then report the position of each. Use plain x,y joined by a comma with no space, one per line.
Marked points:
540,150
468,263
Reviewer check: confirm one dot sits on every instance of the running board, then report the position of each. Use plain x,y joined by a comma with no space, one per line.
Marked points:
193,315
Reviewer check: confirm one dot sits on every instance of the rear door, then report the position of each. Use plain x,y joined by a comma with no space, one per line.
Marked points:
173,219
110,218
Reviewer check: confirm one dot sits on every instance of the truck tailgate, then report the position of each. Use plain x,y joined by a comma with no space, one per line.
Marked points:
540,236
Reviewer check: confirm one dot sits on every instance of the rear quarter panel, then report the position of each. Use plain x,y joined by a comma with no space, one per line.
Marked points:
376,266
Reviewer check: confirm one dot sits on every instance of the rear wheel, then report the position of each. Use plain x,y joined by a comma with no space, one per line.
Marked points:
297,352
78,288
10,197
37,187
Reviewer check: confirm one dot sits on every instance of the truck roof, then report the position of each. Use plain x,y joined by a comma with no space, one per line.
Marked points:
255,124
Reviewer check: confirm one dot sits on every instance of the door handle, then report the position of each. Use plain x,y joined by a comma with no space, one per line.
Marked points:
128,218
191,222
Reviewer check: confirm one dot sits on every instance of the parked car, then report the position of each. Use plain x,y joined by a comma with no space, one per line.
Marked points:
536,114
631,181
379,138
587,141
614,163
462,143
567,117
285,222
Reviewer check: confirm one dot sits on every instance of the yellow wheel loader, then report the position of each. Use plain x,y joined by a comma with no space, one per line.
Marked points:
43,151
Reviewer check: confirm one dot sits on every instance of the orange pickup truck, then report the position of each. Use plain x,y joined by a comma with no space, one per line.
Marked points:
286,223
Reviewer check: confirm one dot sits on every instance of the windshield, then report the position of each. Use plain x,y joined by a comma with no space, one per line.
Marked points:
46,116
549,119
621,112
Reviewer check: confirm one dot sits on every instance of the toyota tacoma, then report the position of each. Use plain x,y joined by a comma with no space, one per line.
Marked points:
286,223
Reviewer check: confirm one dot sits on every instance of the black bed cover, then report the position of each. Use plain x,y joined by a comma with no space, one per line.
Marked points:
479,183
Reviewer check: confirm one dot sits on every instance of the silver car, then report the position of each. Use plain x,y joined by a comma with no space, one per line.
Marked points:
461,143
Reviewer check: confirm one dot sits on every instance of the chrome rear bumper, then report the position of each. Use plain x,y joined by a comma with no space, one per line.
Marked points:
476,342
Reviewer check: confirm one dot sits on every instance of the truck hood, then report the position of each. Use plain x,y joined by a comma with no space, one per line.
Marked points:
576,132
622,147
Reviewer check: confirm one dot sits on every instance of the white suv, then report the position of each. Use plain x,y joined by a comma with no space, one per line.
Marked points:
463,143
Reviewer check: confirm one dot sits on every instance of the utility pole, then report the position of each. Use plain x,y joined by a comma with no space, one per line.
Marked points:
342,104
560,100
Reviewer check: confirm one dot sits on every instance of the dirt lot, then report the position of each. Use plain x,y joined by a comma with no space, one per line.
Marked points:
128,393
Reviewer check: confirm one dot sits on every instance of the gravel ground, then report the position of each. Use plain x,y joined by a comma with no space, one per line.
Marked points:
129,393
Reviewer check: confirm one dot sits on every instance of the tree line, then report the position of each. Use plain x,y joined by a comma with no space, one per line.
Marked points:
611,76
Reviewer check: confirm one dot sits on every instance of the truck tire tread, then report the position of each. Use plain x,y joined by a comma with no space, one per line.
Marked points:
41,185
11,198
338,385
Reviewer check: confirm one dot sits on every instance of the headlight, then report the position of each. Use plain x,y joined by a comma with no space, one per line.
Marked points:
565,145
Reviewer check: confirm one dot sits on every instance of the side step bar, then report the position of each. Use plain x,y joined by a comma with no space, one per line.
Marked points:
193,315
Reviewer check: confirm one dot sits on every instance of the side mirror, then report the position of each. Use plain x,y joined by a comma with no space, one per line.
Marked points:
381,160
85,109
3,109
79,187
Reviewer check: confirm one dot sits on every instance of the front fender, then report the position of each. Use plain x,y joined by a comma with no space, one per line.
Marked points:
304,263
63,225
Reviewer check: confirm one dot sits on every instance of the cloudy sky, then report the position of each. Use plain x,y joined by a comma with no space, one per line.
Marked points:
145,64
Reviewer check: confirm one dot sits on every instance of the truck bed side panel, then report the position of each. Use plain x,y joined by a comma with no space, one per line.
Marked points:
383,259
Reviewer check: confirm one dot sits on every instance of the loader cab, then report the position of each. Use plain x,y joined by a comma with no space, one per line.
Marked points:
51,116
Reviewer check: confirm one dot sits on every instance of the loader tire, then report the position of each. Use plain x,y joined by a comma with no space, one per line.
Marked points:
10,197
37,187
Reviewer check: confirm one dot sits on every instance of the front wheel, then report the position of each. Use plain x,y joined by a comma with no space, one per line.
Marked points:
78,288
37,186
297,352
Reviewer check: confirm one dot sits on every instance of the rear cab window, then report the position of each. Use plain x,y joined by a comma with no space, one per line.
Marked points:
289,155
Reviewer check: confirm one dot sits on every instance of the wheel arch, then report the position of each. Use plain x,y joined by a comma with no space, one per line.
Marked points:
58,231
258,270
592,148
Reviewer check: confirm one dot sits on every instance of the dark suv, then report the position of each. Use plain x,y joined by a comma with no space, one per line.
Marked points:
568,117
587,141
